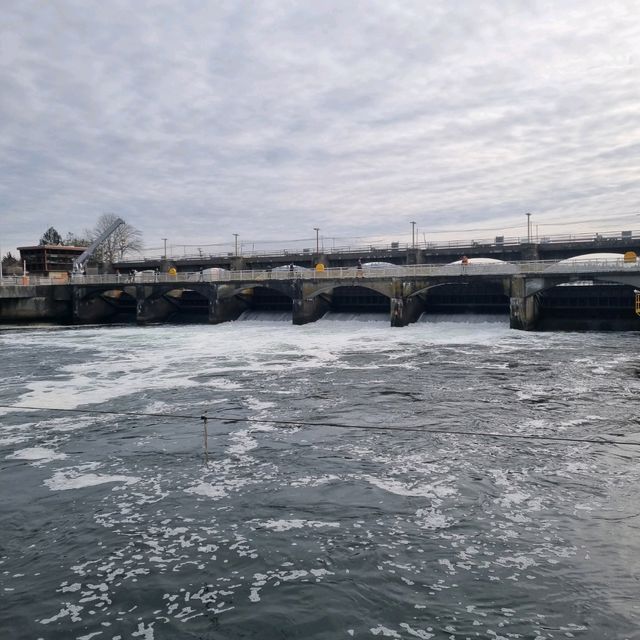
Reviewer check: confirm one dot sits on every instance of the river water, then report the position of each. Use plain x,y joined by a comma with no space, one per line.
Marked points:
117,527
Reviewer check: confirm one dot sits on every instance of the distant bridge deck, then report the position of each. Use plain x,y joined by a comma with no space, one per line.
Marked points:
537,246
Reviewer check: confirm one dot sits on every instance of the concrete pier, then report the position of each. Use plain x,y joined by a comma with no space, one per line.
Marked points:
36,303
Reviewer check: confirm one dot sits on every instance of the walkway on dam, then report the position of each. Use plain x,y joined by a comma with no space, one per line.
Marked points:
527,269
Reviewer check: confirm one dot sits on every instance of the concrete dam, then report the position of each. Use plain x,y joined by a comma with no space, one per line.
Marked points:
536,295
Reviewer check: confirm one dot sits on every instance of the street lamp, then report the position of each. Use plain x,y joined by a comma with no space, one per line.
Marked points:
413,234
317,230
528,228
236,237
164,255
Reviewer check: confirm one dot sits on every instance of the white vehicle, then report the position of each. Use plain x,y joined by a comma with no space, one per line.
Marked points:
380,266
593,262
148,275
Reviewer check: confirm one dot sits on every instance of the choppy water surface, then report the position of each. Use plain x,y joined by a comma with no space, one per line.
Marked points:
118,527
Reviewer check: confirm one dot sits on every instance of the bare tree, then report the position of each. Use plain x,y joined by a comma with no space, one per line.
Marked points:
124,238
73,240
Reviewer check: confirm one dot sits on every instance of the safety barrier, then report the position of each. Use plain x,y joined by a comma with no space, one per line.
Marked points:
539,267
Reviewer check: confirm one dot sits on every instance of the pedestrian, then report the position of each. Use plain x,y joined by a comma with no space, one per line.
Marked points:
359,268
201,276
464,261
291,268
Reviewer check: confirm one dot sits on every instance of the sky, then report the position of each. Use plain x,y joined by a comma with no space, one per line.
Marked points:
197,120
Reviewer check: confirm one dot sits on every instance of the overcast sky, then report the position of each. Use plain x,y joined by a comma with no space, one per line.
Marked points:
196,120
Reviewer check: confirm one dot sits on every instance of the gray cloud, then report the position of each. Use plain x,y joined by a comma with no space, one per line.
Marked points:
197,120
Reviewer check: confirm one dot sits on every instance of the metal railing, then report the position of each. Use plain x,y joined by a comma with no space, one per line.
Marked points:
538,267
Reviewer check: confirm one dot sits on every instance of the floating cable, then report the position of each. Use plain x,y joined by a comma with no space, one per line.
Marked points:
335,425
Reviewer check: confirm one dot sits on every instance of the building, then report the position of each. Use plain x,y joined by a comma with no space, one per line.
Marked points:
49,259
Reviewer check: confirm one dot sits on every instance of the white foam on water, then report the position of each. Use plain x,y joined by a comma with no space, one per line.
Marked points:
311,481
265,316
416,633
410,489
145,632
70,610
64,480
209,490
255,404
12,440
471,319
432,519
242,442
94,389
127,361
287,525
334,316
384,631
39,454
222,383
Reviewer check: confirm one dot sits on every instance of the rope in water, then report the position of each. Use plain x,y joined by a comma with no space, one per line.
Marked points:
334,425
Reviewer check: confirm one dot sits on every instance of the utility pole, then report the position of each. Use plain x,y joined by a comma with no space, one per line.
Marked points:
236,236
164,255
317,230
413,234
528,228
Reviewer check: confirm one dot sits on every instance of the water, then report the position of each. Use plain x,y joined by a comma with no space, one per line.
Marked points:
119,527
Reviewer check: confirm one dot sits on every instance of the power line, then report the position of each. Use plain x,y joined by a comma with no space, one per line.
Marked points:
336,425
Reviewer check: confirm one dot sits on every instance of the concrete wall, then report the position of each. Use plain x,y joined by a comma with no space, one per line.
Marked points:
35,304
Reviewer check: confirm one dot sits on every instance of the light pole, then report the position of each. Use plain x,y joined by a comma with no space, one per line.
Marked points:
236,237
528,228
413,234
164,255
317,230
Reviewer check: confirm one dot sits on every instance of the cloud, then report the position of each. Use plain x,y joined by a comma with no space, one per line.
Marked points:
195,121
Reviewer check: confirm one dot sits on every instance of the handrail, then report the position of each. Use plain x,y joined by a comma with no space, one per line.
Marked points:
524,268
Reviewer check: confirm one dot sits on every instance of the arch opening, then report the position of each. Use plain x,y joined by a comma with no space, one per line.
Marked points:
112,306
486,298
587,306
189,306
354,299
265,299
